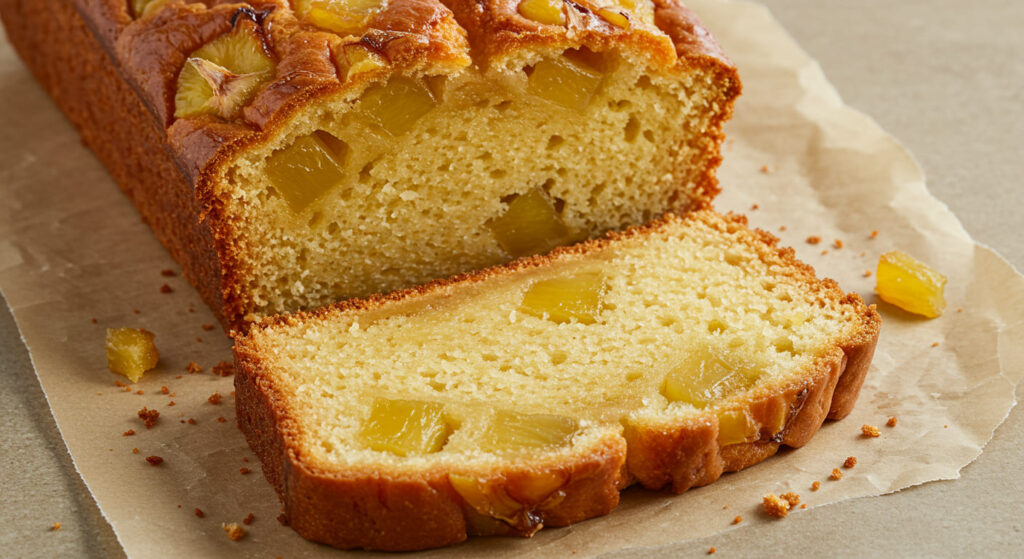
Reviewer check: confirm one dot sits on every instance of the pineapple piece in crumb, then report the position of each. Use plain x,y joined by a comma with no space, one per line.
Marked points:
707,375
910,284
531,225
307,169
510,430
735,427
397,106
131,352
543,11
569,83
406,427
578,297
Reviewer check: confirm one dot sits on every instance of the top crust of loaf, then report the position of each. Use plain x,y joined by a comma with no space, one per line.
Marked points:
419,37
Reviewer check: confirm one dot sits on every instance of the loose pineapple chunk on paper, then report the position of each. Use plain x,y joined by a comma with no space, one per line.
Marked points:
406,427
131,352
910,284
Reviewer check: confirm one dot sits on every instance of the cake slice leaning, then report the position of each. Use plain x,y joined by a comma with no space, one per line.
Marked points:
529,395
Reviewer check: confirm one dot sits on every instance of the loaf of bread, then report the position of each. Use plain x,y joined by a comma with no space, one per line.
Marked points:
294,153
530,394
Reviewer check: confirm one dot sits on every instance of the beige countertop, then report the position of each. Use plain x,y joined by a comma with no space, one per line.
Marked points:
938,75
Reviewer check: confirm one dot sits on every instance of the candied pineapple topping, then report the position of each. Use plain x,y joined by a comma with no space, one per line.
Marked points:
521,364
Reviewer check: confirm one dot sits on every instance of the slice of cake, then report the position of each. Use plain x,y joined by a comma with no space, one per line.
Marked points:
291,154
529,395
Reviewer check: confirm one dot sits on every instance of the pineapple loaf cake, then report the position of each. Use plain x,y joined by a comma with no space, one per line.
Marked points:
292,153
530,394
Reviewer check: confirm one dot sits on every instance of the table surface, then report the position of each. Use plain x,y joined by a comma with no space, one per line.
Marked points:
938,75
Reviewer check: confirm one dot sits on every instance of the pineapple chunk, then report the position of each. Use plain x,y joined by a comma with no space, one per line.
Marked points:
614,17
345,17
397,106
489,500
708,375
510,430
305,170
406,427
735,426
543,11
142,8
910,284
222,76
578,297
570,83
529,226
356,59
131,352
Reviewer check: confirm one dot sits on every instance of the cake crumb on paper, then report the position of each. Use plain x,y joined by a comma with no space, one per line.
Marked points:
55,527
214,398
813,240
850,462
792,498
816,486
891,422
775,506
836,474
869,431
154,460
148,417
234,531
737,520
199,512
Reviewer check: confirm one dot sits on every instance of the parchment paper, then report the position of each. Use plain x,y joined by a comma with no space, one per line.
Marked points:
72,248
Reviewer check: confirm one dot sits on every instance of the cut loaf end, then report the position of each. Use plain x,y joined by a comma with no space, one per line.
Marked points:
529,394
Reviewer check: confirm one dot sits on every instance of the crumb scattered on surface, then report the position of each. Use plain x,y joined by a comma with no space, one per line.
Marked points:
94,321
136,311
140,392
816,486
56,526
782,228
166,289
234,531
224,369
128,433
838,244
168,273
248,519
221,419
171,403
148,417
737,520
813,240
198,339
154,460
959,309
766,169
755,207
824,252
867,273
711,550
935,344
836,474
869,430
208,327
850,462
803,506
874,234
191,421
792,498
193,367
199,512
244,471
118,384
892,421
164,390
135,450
214,398
775,506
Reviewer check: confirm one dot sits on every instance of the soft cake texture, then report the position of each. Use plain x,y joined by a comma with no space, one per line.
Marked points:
432,118
699,286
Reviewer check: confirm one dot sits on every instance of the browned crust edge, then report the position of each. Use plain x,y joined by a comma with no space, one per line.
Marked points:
676,456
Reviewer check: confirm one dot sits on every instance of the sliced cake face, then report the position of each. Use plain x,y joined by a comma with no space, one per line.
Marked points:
687,320
348,147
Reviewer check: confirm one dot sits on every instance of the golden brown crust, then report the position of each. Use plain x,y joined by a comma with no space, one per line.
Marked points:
681,453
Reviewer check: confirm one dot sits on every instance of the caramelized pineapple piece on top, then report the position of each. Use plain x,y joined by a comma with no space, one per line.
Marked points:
543,11
223,75
406,427
578,297
305,170
131,352
397,105
142,8
735,427
355,59
706,375
569,83
529,226
509,430
910,284
345,17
